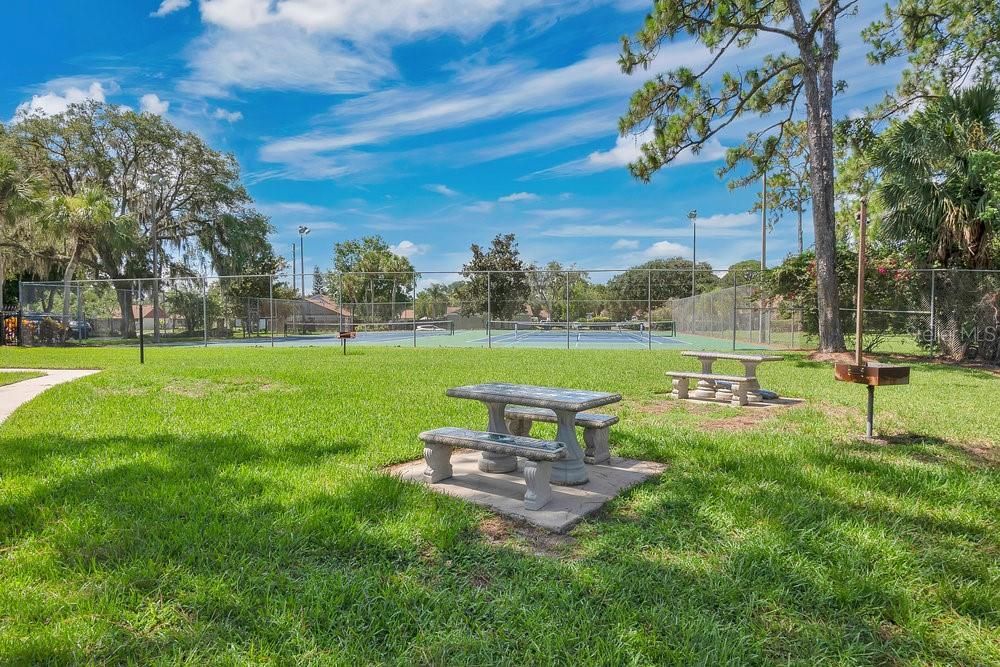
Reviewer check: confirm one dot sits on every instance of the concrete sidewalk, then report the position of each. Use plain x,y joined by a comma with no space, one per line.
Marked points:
13,396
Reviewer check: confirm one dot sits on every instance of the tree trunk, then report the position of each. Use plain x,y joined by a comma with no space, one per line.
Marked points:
156,283
3,280
818,85
125,305
67,279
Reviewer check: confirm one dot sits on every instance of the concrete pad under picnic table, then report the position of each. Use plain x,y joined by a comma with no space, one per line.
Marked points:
504,492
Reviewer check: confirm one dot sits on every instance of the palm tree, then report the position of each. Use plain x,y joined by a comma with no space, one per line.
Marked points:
940,189
80,220
938,185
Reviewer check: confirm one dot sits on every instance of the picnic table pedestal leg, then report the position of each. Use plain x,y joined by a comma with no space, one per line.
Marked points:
705,388
488,461
753,387
570,471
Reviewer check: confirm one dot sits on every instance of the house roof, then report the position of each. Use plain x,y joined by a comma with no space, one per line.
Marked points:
325,302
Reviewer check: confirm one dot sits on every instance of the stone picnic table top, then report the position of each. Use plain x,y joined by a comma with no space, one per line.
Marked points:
554,398
566,403
759,358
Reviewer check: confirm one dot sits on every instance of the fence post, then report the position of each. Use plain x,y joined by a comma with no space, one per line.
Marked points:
489,310
649,309
567,311
933,313
413,312
340,299
735,303
81,325
142,333
204,306
270,298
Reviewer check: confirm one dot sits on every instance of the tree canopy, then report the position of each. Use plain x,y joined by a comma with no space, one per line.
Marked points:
684,109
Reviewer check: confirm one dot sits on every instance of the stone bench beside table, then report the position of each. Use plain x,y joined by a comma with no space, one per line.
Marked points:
539,456
707,387
737,393
595,427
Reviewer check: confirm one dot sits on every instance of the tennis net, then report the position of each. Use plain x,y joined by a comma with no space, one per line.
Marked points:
632,330
373,329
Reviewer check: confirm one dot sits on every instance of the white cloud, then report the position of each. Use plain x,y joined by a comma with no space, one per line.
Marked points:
625,244
721,225
627,149
151,103
228,116
480,207
409,249
473,96
727,221
519,196
281,57
659,250
357,19
58,99
441,189
170,6
559,213
293,208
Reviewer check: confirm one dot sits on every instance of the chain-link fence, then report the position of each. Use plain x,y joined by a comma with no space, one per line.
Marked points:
948,312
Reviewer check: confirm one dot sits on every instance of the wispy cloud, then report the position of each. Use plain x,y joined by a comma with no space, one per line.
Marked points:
170,6
281,57
441,189
628,149
519,196
480,207
228,116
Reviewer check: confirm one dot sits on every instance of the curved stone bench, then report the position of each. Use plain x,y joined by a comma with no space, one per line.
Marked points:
737,393
539,455
595,428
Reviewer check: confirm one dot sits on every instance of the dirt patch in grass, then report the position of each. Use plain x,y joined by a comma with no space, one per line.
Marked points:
190,388
499,532
732,419
836,357
667,406
201,388
741,422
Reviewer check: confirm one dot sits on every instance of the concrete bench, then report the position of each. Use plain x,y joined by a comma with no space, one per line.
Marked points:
595,428
539,455
736,393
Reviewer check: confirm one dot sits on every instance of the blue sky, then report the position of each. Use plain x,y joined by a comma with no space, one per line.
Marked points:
435,123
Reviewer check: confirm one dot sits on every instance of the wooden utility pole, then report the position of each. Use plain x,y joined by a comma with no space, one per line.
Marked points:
860,299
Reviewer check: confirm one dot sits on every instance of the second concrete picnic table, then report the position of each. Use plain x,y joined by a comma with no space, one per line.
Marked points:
566,403
707,388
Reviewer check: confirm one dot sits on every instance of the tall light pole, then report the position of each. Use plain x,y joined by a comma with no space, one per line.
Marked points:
693,217
303,231
295,278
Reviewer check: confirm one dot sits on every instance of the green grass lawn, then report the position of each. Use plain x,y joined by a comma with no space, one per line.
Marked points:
10,377
225,506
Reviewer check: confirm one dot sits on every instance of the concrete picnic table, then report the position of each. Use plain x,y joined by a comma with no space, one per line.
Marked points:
708,389
566,403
